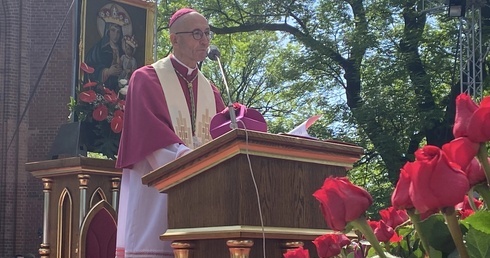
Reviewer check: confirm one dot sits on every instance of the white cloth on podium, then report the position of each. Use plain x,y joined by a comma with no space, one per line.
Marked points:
148,214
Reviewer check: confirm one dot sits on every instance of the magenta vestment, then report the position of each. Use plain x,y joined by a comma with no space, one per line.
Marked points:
147,124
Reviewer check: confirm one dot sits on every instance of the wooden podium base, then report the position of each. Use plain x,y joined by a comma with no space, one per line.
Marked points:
240,241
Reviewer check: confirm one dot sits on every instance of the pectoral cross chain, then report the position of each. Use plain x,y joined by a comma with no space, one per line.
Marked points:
193,103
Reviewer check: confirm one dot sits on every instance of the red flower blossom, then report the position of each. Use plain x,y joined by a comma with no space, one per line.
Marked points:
373,224
472,120
464,205
89,84
88,96
436,182
383,232
465,107
464,208
396,238
342,202
110,96
480,122
393,217
330,245
461,151
463,214
299,252
117,124
119,113
100,112
84,67
475,172
400,198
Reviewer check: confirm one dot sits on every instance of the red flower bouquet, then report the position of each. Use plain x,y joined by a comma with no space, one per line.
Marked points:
101,110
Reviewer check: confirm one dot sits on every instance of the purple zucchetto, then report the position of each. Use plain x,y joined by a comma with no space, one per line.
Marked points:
179,13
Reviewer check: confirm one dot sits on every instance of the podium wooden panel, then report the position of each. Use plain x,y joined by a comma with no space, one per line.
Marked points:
212,195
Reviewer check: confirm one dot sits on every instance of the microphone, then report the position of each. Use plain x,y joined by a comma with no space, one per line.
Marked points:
214,54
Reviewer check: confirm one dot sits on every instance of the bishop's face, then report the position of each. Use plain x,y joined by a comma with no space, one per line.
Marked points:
187,48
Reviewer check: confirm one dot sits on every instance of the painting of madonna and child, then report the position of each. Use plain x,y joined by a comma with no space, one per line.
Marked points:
117,39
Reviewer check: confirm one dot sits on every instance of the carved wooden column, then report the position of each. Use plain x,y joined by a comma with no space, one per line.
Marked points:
44,249
115,185
83,182
239,248
182,249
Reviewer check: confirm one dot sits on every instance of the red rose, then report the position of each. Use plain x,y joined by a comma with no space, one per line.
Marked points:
330,245
393,217
383,232
472,120
465,107
461,151
396,238
297,253
100,112
463,214
87,96
479,122
475,172
400,198
464,208
342,202
373,224
117,124
436,183
84,67
465,205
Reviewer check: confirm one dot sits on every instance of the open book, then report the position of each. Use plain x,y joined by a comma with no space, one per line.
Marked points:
302,129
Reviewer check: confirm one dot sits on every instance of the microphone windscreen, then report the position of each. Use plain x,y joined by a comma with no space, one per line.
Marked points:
213,53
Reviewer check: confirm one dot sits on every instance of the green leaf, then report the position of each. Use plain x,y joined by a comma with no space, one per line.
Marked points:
433,253
477,243
437,233
480,220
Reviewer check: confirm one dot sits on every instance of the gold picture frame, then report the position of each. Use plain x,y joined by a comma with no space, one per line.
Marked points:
134,22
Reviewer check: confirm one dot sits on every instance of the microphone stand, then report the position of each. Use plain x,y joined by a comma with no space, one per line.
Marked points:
231,109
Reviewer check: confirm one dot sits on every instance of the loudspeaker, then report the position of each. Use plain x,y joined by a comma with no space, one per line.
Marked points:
68,142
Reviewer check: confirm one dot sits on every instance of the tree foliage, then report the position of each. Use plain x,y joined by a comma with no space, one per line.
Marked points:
383,73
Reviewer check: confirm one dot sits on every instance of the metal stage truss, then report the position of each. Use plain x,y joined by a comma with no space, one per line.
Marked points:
472,51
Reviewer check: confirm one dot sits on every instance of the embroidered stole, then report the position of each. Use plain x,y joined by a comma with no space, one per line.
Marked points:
177,104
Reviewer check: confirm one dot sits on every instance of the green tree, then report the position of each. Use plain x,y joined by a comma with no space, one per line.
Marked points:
383,73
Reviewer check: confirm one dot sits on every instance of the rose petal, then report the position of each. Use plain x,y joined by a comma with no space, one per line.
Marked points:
465,107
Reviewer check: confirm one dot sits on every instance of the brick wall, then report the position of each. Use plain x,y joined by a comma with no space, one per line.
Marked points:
28,30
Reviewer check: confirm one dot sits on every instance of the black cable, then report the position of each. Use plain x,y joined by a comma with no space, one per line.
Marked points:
40,77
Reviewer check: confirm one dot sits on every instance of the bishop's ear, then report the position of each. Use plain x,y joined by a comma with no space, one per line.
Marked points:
173,38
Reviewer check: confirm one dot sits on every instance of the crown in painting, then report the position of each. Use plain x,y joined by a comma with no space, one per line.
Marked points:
113,15
130,41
